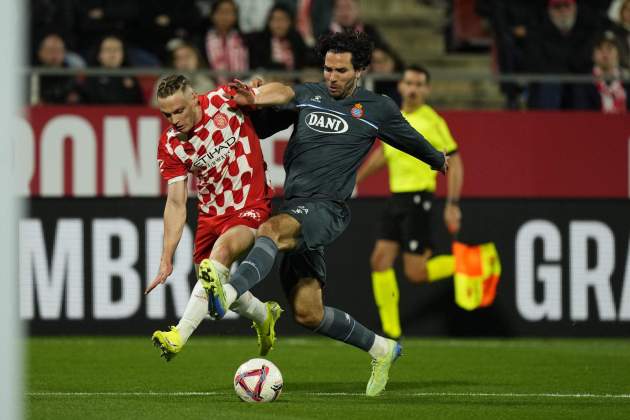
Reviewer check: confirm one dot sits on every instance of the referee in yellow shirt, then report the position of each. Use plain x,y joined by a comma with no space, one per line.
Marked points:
406,222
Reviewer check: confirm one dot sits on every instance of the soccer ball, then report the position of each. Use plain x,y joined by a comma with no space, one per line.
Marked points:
258,381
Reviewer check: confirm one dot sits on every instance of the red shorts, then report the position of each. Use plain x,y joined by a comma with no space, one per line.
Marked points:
209,228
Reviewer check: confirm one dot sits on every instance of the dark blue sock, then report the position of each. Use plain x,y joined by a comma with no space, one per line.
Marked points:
256,266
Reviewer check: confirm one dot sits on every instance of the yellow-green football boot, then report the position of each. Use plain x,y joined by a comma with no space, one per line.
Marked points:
168,342
217,305
380,369
266,331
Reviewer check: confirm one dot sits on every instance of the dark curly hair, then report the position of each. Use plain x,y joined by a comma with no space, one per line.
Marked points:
357,43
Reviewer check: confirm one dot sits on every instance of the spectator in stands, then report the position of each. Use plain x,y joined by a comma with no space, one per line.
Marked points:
596,11
385,61
225,46
96,19
621,29
48,16
252,14
312,17
112,90
347,16
608,93
57,89
163,21
614,9
560,45
511,23
52,48
385,64
279,46
186,58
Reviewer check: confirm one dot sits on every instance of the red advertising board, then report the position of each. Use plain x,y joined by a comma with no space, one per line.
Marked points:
544,154
110,152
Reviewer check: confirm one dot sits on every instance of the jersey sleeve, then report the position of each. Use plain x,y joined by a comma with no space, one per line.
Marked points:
396,131
268,121
302,92
449,143
171,168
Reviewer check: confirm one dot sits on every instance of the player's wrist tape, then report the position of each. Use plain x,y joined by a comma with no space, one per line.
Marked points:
452,202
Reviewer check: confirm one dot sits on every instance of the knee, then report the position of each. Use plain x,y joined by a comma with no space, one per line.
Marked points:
416,274
222,254
379,262
382,259
282,230
269,230
308,317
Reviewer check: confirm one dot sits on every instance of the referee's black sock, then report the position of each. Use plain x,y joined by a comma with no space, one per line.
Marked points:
256,266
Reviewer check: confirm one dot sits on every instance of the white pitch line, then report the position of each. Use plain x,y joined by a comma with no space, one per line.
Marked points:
516,344
122,394
485,394
332,394
423,343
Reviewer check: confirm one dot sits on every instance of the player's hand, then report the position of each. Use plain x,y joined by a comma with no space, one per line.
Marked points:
256,82
452,217
444,169
166,269
355,191
243,94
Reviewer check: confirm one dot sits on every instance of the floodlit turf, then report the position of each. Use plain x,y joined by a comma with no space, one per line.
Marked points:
123,378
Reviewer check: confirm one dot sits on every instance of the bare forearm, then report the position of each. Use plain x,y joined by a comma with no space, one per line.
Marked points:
373,164
273,94
455,178
174,221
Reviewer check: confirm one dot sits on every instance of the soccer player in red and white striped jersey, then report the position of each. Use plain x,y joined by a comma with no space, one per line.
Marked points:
215,141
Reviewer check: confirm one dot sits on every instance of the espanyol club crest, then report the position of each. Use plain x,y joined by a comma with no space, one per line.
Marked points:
220,121
357,111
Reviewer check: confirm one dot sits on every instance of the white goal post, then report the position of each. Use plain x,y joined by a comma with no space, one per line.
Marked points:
12,46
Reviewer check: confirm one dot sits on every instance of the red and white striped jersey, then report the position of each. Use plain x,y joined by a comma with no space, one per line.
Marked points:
223,152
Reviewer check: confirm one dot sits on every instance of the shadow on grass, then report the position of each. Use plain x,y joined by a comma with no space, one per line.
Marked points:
358,387
431,386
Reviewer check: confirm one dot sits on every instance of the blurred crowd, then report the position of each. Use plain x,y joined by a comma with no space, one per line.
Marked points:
226,36
239,36
563,37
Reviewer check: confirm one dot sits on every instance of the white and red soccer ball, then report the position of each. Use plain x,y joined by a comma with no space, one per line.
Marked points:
258,381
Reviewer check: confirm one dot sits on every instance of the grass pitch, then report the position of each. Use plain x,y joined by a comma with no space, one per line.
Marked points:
124,378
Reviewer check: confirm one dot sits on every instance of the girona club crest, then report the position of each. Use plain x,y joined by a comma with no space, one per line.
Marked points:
220,121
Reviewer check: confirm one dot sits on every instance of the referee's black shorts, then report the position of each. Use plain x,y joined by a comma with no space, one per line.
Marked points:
407,220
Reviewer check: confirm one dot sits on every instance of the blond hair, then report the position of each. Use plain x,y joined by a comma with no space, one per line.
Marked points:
172,84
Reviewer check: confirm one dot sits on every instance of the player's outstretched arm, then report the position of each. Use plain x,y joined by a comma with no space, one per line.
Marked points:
271,94
174,221
396,131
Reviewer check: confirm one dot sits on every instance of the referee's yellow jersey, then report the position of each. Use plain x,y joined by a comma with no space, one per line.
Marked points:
406,173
